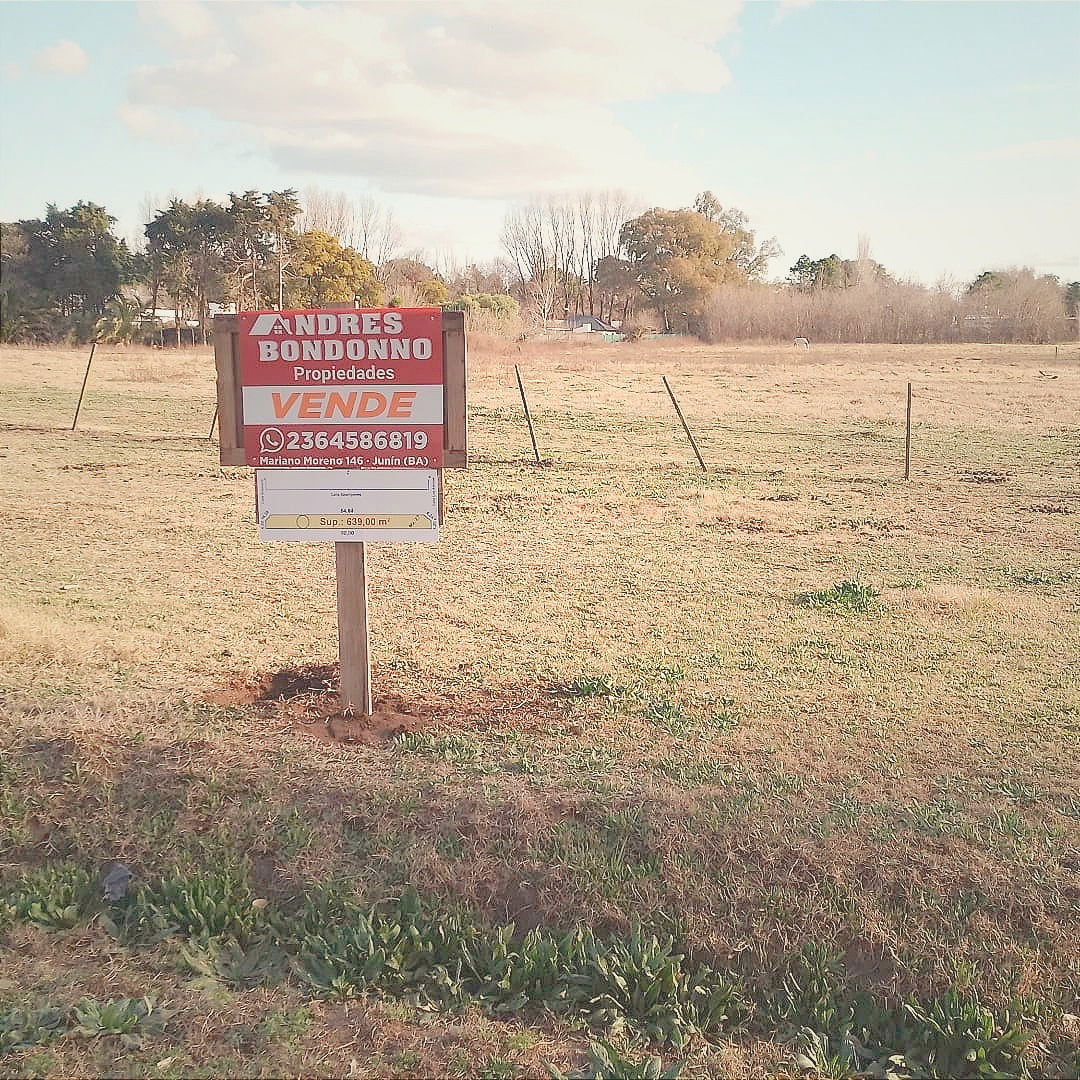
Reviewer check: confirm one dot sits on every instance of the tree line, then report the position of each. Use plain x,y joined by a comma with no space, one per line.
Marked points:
697,269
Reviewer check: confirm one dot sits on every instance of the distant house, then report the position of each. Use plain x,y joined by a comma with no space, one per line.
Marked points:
165,316
163,326
588,324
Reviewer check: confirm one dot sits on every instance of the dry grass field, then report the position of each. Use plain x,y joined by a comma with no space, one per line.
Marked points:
620,694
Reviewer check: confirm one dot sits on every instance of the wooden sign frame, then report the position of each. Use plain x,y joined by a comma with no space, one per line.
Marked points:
350,557
230,395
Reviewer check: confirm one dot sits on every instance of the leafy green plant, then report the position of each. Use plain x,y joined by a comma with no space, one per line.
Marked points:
583,686
22,1028
665,713
851,596
410,951
497,1068
838,1057
647,694
371,947
817,1053
958,1036
451,747
641,980
514,974
54,897
845,1034
214,904
639,983
810,995
294,834
607,1063
132,1020
723,714
225,960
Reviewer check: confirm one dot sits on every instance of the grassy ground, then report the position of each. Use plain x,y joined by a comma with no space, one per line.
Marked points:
633,698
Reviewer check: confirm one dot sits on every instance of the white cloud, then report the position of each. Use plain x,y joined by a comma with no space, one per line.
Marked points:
478,98
148,122
1066,148
63,58
187,20
10,70
786,7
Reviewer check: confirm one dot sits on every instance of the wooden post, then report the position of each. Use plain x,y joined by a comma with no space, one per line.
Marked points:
907,437
455,373
528,417
229,395
90,360
682,420
352,610
213,423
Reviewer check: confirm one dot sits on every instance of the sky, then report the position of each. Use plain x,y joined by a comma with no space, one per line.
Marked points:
946,132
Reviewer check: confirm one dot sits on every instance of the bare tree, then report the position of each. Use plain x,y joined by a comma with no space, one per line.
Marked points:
445,264
562,227
556,244
329,212
586,215
601,216
377,235
474,278
864,264
363,224
528,247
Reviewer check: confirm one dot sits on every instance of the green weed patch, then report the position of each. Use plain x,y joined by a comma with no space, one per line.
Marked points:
851,596
131,1020
408,950
202,905
647,694
448,960
607,1062
54,897
1042,576
589,686
839,1032
21,1029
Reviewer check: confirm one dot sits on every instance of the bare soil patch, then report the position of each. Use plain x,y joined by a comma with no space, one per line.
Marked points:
284,685
306,696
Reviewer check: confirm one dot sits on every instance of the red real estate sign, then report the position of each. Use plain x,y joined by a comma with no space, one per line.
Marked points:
350,389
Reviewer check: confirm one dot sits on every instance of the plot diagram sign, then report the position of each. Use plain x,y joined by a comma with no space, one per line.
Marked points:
342,389
348,505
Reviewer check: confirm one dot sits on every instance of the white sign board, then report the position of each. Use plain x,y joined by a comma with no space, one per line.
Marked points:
318,505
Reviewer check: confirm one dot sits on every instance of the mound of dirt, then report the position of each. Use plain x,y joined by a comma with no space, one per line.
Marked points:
283,685
384,724
307,696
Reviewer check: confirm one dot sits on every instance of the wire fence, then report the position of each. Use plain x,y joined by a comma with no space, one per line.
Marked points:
625,419
950,440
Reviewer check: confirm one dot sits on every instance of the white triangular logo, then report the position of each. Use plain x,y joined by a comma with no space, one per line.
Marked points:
264,325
